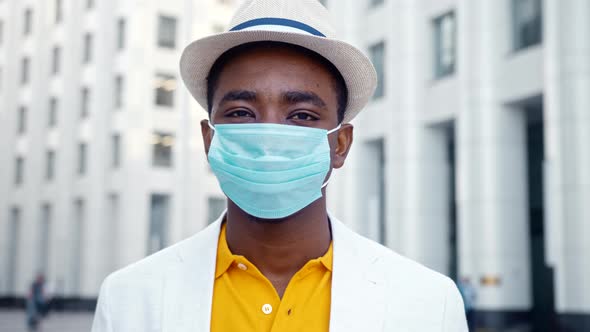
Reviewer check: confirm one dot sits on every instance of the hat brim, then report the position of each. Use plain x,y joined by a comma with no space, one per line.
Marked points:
356,69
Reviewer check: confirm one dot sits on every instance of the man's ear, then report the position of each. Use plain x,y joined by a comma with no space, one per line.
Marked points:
343,144
207,134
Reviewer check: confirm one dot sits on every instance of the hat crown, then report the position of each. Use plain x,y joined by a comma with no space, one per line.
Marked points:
309,12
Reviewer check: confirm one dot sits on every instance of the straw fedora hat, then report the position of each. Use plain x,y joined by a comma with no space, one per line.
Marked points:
301,22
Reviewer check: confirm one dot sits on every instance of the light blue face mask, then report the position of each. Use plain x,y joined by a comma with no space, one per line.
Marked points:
269,170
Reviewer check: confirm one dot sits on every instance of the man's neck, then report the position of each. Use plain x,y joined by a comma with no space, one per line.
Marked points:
279,248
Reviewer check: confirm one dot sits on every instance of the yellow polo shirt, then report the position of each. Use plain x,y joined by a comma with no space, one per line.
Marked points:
245,300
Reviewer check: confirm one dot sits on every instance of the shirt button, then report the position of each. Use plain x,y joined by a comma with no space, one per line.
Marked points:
267,309
242,267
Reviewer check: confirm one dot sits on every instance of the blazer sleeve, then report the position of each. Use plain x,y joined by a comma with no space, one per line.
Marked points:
102,317
454,316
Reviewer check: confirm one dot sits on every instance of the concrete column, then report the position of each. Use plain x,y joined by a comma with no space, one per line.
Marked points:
567,171
491,159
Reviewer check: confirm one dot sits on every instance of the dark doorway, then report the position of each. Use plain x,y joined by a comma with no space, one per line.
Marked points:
543,290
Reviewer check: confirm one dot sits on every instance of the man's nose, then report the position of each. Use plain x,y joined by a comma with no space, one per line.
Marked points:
272,115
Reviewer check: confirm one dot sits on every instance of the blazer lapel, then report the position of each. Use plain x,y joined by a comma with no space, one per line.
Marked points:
358,290
188,287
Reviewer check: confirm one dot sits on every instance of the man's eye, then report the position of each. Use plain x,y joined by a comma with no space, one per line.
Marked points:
239,114
303,117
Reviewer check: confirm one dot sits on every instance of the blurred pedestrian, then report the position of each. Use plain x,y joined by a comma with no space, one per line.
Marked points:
469,297
36,305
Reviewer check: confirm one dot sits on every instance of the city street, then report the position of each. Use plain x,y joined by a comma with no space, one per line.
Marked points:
14,321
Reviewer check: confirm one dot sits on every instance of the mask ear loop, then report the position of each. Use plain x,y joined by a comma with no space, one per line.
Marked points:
330,132
210,125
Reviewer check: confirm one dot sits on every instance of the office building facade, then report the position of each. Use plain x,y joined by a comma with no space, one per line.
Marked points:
474,155
101,150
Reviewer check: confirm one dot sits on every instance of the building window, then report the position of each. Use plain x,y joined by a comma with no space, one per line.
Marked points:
55,63
87,56
13,252
82,156
114,220
84,102
377,53
58,11
165,87
116,150
159,215
166,31
21,126
121,33
24,74
375,3
50,165
44,238
162,149
444,45
527,23
215,206
52,118
19,170
119,91
28,22
77,249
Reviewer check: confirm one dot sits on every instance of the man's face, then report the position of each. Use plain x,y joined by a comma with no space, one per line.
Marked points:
282,86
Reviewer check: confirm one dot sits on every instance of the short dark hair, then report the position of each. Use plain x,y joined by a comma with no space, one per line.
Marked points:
338,80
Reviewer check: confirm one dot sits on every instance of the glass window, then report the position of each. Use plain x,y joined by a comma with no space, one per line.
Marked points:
116,149
375,3
159,215
19,170
50,165
55,64
24,77
113,229
22,120
166,31
377,53
216,205
84,102
121,33
82,156
28,22
165,87
87,57
58,11
119,91
44,239
162,149
527,23
52,119
13,239
77,250
444,45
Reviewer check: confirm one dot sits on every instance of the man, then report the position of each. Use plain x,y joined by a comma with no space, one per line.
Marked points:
280,91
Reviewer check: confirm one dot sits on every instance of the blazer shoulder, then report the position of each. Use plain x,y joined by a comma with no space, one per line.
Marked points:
155,266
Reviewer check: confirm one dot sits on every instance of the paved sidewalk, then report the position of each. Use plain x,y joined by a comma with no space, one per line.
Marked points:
14,321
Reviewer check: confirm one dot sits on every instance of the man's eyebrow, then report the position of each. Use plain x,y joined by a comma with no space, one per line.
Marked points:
294,97
237,95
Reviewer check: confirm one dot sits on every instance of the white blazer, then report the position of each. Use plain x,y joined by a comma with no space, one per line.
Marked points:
373,289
